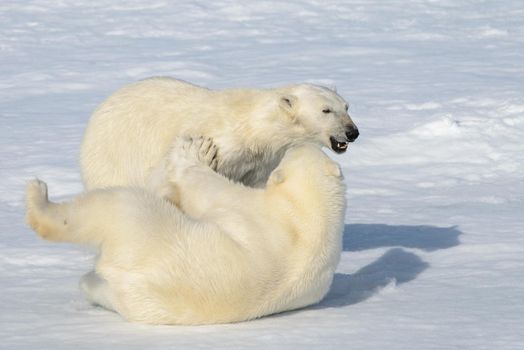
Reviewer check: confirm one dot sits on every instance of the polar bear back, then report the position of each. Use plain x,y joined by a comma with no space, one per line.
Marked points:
132,130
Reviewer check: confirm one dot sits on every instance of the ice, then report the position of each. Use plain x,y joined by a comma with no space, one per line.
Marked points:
433,246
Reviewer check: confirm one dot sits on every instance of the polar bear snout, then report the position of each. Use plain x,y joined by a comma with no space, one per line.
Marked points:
340,144
352,133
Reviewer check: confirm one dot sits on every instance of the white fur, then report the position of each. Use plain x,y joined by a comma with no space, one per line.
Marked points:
129,133
232,253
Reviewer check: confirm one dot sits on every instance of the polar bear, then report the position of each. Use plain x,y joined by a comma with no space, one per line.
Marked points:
232,253
129,133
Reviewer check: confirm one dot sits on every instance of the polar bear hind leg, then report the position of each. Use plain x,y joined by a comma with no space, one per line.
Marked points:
46,218
80,221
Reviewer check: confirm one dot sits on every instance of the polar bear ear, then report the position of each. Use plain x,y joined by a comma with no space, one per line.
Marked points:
277,177
288,103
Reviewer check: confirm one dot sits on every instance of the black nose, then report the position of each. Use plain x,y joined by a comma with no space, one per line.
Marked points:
352,134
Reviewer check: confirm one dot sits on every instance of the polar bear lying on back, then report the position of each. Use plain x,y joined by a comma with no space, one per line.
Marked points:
232,253
132,130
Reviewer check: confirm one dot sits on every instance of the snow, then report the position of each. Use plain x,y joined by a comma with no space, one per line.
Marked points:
433,247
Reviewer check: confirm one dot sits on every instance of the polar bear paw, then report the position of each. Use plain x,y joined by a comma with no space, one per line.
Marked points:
36,193
187,152
36,200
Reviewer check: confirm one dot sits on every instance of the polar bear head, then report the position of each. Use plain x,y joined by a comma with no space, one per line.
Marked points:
306,169
322,113
311,193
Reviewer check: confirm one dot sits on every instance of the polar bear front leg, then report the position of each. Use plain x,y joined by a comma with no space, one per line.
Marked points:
189,154
190,173
185,153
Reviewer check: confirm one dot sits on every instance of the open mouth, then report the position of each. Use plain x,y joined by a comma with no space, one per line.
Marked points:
338,146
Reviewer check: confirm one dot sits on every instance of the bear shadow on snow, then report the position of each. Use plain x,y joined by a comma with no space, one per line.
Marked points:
429,238
396,266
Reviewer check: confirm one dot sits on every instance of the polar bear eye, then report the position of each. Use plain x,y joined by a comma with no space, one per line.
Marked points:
326,110
346,107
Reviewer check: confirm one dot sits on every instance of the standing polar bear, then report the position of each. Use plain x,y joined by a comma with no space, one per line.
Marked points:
230,253
131,131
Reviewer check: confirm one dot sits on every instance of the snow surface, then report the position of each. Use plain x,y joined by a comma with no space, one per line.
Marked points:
434,243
